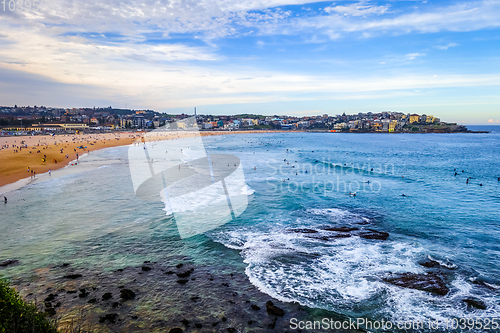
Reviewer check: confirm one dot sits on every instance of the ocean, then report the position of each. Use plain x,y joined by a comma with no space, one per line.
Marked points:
412,186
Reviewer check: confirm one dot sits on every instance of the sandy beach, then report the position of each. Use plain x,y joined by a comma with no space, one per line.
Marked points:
20,155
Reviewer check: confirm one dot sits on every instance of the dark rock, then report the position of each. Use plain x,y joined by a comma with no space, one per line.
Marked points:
225,285
175,330
115,304
330,237
47,304
274,310
185,322
106,296
198,325
92,301
429,264
127,294
231,329
183,281
272,325
119,270
111,317
73,276
195,298
147,262
50,312
50,298
483,284
146,268
83,293
250,322
169,272
255,307
373,234
179,265
475,303
134,317
215,324
185,274
224,319
303,231
341,229
425,282
9,262
65,264
71,292
58,304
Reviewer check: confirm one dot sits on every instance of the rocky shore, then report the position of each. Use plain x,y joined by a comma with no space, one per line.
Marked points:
160,297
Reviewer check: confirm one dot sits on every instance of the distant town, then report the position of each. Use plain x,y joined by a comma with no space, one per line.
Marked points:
17,120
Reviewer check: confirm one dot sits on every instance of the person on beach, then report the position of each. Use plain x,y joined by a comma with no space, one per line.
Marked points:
50,172
4,199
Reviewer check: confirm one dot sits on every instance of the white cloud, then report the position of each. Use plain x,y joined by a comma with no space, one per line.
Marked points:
411,56
447,46
357,9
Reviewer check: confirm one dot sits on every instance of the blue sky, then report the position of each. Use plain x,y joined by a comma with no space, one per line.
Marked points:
267,57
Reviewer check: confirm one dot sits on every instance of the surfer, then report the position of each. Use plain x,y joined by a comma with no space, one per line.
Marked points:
4,199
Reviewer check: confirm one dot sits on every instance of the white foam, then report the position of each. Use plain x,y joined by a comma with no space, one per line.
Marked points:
344,275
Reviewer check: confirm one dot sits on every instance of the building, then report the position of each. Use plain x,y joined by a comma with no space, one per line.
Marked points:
414,118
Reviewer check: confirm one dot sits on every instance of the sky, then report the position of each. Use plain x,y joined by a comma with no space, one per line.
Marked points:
269,57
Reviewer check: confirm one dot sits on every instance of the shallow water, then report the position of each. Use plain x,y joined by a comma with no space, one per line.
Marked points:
93,220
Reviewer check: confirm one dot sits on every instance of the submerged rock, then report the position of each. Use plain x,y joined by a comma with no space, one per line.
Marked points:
83,293
475,303
9,262
106,296
425,282
274,310
111,317
146,268
73,276
303,231
185,274
175,330
429,264
127,294
341,229
50,298
373,234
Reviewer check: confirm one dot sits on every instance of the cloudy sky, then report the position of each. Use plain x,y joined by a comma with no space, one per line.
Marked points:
256,56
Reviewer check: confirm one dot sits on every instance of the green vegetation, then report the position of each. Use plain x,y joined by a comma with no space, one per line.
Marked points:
258,127
250,116
17,316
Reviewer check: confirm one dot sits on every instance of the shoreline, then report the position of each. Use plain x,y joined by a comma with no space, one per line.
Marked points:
14,172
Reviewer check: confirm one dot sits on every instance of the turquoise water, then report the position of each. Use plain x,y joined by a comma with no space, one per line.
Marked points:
299,180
